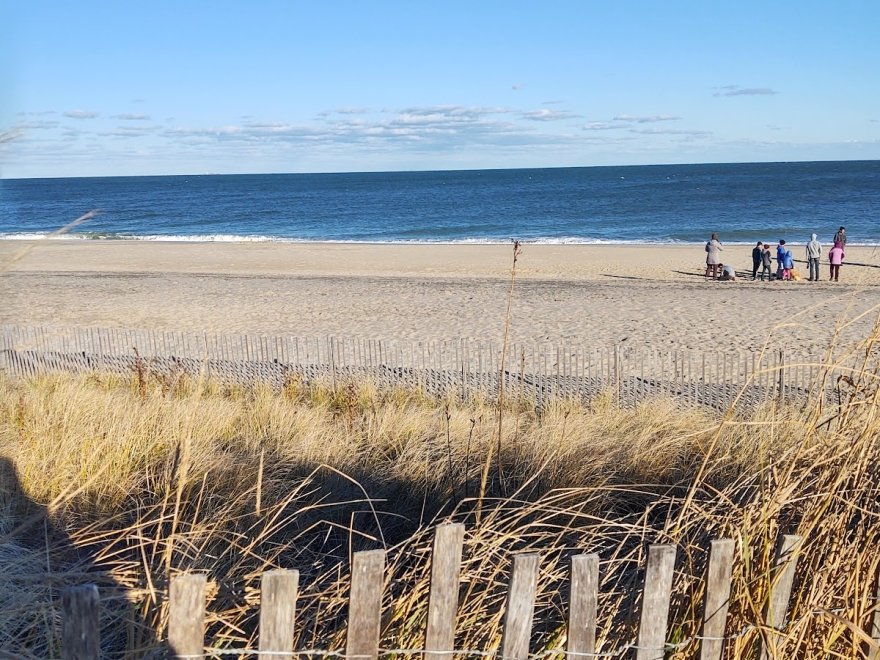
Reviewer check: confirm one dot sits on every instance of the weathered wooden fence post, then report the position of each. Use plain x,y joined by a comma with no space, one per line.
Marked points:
5,348
80,632
781,581
781,376
365,604
443,598
655,602
186,615
582,605
520,607
873,652
717,597
277,612
618,376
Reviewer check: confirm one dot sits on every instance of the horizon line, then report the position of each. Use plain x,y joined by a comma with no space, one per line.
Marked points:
462,169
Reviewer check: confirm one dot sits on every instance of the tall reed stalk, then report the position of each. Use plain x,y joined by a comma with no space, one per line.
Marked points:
502,368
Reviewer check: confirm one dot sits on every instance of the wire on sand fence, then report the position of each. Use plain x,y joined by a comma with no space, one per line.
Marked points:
536,371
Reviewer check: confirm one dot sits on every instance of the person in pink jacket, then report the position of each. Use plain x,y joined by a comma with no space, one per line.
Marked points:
835,258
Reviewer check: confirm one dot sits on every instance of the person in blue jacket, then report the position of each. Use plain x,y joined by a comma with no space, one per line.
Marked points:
780,259
787,264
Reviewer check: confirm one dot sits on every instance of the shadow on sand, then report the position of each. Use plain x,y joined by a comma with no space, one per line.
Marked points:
38,560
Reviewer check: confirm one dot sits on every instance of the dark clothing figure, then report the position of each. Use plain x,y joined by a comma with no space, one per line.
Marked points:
840,237
757,253
766,262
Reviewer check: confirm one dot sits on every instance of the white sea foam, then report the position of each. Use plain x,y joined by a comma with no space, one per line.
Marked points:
237,238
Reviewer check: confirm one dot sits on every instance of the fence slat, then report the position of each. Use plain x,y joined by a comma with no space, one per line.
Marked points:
443,598
776,607
520,606
186,615
655,602
278,590
717,597
80,632
365,604
874,651
582,605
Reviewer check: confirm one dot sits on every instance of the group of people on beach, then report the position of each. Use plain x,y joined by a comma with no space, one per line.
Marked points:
762,259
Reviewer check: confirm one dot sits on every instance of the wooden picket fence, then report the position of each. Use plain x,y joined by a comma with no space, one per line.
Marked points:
534,370
277,619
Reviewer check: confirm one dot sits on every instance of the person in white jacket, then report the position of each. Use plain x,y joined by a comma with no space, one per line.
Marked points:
814,251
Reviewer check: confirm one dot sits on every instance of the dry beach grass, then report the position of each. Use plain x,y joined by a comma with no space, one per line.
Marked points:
125,481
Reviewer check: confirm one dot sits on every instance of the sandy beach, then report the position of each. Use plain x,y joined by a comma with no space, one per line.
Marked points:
651,296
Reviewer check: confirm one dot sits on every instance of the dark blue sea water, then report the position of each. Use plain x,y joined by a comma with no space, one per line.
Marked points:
643,204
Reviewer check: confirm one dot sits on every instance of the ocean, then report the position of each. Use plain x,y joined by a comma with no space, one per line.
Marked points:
743,202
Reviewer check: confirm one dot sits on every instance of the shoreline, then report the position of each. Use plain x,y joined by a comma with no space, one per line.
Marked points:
559,262
279,240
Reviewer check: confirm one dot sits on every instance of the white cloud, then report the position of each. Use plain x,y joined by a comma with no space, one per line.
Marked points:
602,126
343,111
736,90
244,133
37,125
646,119
10,135
669,131
131,117
452,111
432,128
547,115
132,131
81,114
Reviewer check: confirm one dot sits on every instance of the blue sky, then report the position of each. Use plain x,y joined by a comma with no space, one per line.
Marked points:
121,88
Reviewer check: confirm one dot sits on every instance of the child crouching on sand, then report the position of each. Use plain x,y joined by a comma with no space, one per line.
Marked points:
728,273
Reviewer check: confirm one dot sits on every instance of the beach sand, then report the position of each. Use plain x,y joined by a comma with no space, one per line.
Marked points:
649,296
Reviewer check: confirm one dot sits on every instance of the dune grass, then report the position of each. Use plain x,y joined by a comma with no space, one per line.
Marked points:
126,481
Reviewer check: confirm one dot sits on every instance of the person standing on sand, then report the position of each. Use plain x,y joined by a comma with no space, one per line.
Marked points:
713,256
835,258
780,259
757,258
840,237
814,251
766,261
787,264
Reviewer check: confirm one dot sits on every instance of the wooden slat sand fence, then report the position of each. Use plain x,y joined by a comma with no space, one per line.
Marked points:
534,370
188,610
